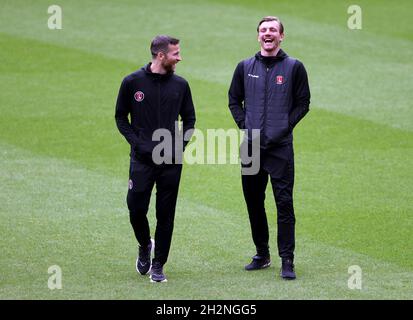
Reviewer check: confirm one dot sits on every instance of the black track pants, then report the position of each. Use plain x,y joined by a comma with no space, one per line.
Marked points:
282,180
142,177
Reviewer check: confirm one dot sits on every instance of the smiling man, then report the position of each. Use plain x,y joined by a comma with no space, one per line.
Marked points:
155,98
270,92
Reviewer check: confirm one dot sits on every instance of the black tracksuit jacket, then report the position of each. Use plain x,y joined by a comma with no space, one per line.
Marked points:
153,101
271,94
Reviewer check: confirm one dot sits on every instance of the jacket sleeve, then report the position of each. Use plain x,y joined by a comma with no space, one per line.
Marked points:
236,96
122,111
301,95
187,113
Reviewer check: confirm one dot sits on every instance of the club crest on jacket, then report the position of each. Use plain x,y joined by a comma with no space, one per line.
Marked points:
139,96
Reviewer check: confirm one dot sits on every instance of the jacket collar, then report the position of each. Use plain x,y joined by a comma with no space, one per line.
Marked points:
280,55
148,71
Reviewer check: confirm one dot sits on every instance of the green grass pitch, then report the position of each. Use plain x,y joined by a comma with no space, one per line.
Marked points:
64,165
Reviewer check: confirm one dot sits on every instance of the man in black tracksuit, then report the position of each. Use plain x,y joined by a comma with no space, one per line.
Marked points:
154,97
270,92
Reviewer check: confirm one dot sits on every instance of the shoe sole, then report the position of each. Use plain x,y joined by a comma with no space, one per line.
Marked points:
153,281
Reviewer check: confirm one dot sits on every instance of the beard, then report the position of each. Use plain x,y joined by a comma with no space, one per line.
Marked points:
169,66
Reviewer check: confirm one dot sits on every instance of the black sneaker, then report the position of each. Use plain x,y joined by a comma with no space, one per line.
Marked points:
287,269
157,274
258,262
143,262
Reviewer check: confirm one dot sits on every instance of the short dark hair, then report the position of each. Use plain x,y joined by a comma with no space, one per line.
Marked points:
271,18
160,44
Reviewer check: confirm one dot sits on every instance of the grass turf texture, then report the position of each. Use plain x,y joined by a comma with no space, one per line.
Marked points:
63,173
